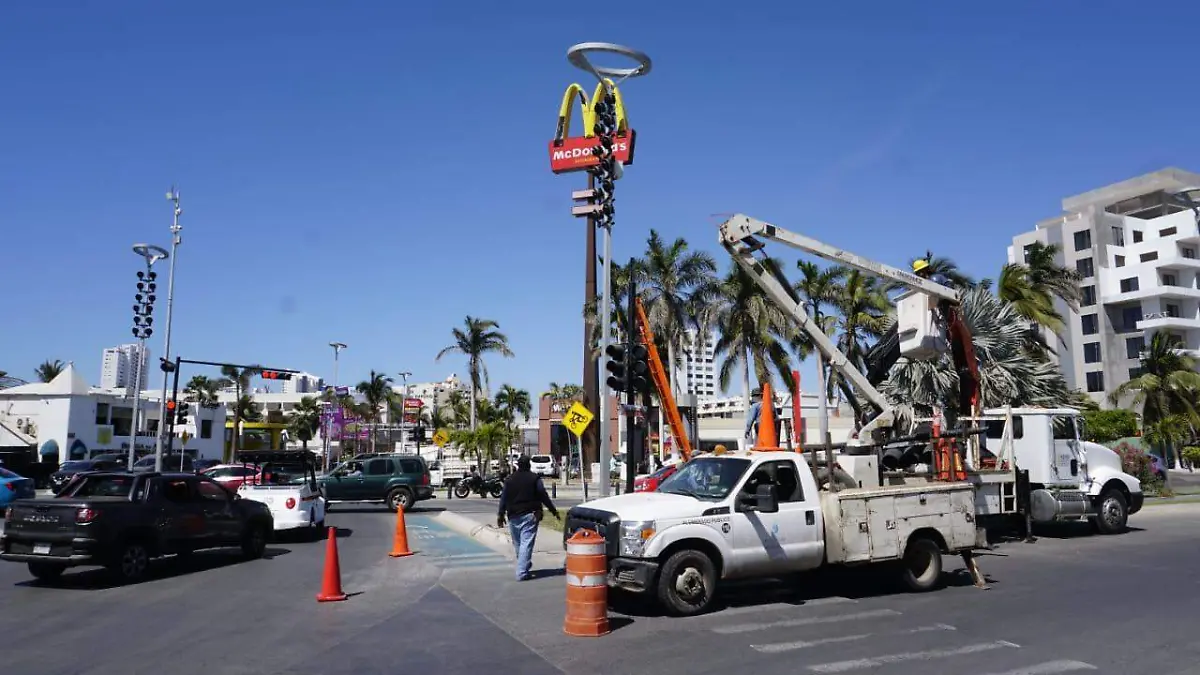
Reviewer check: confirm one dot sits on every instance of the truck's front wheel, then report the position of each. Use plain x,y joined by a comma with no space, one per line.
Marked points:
1112,512
922,565
686,582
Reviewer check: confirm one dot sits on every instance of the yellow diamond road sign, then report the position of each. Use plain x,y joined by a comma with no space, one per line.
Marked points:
441,438
185,436
577,418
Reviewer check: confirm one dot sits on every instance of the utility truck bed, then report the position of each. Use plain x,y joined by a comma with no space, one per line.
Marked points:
871,525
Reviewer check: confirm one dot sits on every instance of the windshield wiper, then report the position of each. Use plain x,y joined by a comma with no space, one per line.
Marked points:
685,493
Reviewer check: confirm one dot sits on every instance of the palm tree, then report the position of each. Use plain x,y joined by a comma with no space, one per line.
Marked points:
204,390
513,402
1167,387
239,379
817,289
1047,275
377,394
949,269
476,338
305,419
1034,304
619,302
460,410
485,442
49,370
673,283
247,411
863,315
1007,376
753,331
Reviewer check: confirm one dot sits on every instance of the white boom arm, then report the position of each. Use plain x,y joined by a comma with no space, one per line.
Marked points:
740,236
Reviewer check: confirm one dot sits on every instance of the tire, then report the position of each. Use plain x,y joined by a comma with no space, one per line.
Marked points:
254,541
686,583
1112,512
400,497
461,491
47,572
131,563
496,491
921,569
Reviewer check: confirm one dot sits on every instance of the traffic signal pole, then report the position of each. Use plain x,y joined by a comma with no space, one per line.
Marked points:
171,430
633,432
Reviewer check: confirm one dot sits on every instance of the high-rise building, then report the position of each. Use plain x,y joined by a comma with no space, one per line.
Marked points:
695,373
303,383
1136,245
119,368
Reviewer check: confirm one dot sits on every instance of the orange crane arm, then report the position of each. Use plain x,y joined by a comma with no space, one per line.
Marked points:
662,384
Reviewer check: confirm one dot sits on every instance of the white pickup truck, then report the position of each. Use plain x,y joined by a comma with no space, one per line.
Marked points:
761,514
287,483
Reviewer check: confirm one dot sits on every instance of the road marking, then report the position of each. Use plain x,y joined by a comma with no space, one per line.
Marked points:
507,567
816,602
1050,668
778,647
806,621
928,655
456,556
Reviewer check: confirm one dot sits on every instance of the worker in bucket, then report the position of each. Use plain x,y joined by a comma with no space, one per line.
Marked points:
922,268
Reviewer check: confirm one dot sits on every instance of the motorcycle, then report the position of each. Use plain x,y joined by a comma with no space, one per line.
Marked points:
484,487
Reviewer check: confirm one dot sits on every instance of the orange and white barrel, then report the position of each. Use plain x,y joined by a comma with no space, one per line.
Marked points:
587,585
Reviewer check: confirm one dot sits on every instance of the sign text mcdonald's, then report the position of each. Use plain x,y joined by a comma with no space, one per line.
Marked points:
569,153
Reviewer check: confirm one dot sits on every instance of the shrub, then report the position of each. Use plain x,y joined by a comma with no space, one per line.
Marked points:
1191,454
1103,426
1135,462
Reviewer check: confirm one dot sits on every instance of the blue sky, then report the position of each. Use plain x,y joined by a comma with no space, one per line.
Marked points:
372,172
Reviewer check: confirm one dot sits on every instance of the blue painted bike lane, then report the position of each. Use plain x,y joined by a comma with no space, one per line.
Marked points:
449,549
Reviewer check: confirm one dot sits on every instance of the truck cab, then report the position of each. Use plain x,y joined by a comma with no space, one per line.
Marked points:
1068,478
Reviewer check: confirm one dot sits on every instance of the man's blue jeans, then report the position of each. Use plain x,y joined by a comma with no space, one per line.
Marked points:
523,530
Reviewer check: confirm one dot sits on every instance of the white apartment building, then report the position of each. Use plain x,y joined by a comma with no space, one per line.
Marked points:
303,383
434,394
696,372
1137,250
120,364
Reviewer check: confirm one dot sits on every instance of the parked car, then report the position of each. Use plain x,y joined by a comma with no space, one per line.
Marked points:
232,475
543,465
286,481
70,469
205,464
122,521
181,463
397,480
650,483
13,487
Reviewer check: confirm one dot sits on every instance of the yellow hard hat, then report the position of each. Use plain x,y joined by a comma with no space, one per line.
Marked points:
719,450
919,265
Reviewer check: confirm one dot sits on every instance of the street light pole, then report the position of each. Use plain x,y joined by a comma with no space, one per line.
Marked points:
142,330
337,349
176,228
403,417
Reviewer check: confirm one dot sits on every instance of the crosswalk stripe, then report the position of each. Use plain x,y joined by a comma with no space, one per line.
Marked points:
507,567
806,621
1050,668
475,562
928,655
464,556
778,647
754,609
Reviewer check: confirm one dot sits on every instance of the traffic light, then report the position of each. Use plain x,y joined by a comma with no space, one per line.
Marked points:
181,412
170,411
618,366
275,375
639,368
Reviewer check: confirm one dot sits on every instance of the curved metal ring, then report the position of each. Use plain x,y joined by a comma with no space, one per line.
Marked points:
151,253
578,56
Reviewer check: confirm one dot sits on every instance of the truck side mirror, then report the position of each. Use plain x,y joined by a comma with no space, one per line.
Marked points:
766,499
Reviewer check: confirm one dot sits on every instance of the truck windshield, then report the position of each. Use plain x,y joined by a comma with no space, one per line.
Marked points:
102,486
707,478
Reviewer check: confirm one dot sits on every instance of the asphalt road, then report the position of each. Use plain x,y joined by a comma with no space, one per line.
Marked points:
1121,605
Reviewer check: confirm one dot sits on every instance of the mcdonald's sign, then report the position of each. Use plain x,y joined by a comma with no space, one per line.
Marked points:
568,153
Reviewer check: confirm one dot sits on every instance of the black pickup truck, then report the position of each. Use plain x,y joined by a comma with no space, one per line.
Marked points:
121,521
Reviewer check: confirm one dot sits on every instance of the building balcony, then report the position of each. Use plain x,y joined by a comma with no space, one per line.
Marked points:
1178,262
1160,321
1119,297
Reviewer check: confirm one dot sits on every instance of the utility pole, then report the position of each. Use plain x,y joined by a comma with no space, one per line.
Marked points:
142,321
176,228
403,408
337,349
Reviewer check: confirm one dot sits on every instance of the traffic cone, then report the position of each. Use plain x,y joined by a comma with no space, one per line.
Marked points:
400,539
768,440
331,583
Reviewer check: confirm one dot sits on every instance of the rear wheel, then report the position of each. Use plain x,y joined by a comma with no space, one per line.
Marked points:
496,491
686,582
131,563
400,497
461,490
922,565
46,571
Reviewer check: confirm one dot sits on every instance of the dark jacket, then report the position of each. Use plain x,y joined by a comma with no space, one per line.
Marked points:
524,493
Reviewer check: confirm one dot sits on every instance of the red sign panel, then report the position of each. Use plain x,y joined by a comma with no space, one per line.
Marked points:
413,403
576,154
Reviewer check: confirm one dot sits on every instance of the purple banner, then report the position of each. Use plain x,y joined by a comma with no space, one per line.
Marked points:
342,425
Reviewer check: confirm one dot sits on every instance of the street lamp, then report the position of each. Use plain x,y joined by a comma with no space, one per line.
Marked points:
337,349
176,228
403,407
142,330
605,173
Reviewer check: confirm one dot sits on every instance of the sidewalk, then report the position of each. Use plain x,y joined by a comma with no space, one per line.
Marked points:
548,550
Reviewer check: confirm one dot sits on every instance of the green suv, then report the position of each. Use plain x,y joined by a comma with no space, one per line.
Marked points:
395,480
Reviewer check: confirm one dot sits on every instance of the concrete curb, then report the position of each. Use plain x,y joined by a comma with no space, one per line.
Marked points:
493,537
1172,501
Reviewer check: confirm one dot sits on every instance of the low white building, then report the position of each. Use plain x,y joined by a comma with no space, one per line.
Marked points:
68,419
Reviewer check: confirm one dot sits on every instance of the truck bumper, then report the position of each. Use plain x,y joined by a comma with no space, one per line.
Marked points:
635,576
425,492
1136,501
76,552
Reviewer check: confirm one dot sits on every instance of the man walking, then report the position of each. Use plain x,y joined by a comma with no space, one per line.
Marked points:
521,502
